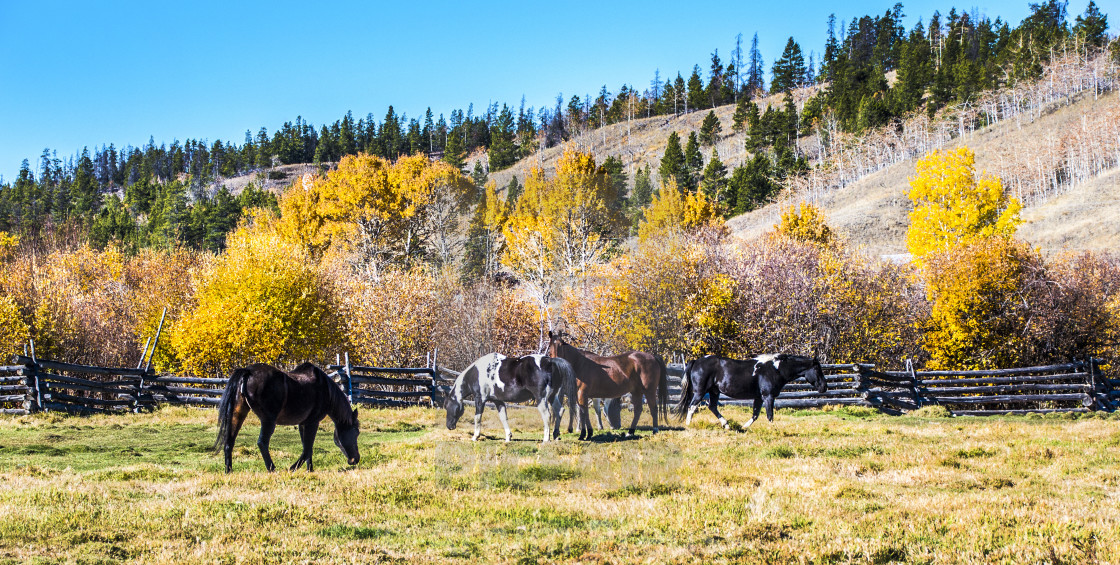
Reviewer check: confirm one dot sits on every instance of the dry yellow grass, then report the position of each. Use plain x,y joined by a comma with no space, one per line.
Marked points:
844,486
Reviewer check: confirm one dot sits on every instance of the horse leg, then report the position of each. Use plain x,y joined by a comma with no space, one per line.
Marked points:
309,442
478,406
557,415
545,408
268,426
239,415
502,417
637,402
770,408
584,418
713,405
303,452
597,404
651,400
757,409
307,434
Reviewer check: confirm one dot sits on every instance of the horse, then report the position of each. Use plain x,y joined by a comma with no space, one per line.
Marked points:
301,397
638,373
759,378
502,379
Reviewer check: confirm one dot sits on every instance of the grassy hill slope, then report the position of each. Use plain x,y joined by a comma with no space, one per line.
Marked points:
872,212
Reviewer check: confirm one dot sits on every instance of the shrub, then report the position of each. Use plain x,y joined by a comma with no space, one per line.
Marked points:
263,300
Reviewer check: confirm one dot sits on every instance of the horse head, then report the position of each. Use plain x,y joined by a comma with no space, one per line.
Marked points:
346,438
555,340
815,376
454,408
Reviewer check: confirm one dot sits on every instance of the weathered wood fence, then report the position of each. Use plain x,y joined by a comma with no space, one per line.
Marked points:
41,385
33,385
1069,387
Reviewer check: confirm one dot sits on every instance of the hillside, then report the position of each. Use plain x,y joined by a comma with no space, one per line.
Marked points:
872,212
642,141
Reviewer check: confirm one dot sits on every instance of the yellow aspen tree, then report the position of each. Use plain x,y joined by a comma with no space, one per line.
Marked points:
673,211
952,206
562,226
805,222
373,212
264,300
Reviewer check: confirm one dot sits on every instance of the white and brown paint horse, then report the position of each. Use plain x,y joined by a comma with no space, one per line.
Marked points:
641,374
759,378
502,379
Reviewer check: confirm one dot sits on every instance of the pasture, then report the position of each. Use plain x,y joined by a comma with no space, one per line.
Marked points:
836,486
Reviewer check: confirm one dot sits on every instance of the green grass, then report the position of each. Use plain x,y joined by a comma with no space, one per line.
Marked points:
840,486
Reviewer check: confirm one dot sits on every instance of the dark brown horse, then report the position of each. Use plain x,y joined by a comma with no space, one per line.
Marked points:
302,397
638,373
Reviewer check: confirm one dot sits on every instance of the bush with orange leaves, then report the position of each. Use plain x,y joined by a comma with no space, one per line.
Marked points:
400,318
695,295
87,306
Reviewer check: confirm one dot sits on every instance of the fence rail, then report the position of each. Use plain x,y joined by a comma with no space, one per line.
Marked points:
35,384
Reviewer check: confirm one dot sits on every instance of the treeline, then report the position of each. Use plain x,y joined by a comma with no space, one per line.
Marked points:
946,61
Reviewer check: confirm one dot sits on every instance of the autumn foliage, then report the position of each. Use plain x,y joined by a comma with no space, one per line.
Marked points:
952,206
371,259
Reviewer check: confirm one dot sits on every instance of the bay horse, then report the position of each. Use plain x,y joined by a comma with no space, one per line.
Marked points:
759,378
301,397
502,379
641,374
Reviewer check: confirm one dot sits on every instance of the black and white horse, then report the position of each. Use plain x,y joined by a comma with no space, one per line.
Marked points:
502,379
760,378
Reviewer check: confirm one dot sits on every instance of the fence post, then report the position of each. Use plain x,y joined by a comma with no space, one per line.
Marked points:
34,368
349,380
913,382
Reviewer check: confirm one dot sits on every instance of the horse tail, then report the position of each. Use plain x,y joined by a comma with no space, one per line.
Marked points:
663,389
568,389
227,404
686,391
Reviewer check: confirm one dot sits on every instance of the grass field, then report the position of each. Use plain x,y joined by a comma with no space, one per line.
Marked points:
844,486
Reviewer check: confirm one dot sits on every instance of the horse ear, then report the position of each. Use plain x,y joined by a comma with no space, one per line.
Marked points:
355,412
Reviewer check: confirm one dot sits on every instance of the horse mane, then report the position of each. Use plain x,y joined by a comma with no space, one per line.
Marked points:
339,404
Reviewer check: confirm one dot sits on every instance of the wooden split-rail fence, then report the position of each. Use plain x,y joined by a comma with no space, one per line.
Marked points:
1069,387
33,385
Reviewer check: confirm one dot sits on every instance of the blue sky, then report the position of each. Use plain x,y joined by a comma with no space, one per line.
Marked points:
76,74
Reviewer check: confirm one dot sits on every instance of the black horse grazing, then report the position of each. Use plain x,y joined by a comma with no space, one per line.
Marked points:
760,378
302,397
502,379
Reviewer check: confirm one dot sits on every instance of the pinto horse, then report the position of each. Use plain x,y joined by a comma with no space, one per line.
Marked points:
638,373
760,378
301,397
502,379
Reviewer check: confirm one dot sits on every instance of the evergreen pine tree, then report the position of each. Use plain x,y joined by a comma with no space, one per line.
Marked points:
739,118
714,180
479,176
693,161
643,188
697,98
715,81
455,154
755,84
710,129
86,197
503,151
1092,27
673,162
789,70
513,191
